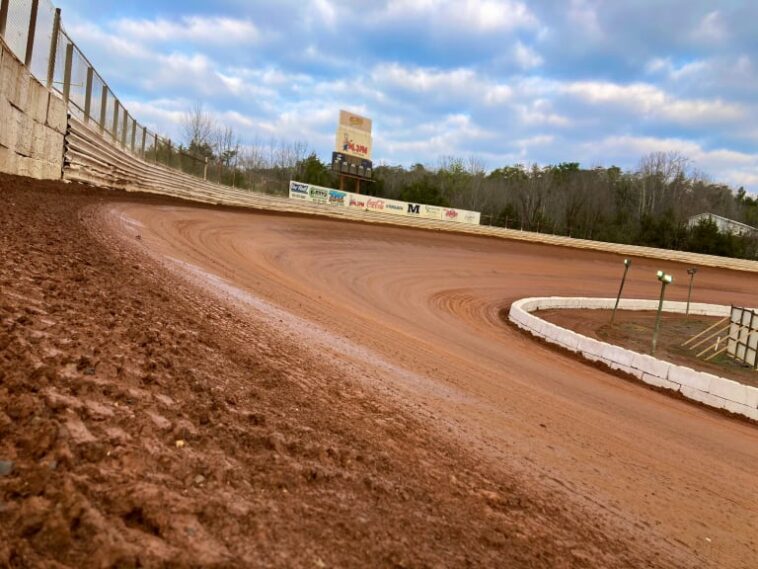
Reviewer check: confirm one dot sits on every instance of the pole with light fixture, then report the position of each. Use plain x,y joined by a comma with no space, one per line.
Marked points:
665,280
691,272
627,264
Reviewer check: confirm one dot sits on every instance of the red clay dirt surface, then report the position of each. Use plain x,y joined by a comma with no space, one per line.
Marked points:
634,331
186,386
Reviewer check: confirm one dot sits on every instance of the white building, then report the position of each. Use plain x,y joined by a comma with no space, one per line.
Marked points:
725,225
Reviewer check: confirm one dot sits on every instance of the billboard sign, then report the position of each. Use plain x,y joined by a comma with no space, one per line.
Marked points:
338,198
354,142
356,122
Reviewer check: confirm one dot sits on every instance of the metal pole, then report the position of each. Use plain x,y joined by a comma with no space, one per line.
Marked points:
67,72
134,134
124,122
103,108
205,169
88,94
691,272
32,33
664,282
144,141
115,121
155,148
53,48
3,15
627,264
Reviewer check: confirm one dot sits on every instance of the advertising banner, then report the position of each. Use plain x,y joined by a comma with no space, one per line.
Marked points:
338,198
299,191
357,122
353,142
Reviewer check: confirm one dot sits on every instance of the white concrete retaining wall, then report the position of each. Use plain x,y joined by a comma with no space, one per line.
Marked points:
32,122
699,386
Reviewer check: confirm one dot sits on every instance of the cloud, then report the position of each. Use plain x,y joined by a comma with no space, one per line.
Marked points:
526,57
736,168
647,100
485,16
195,29
711,28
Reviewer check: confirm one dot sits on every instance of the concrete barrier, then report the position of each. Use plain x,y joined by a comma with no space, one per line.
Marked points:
705,388
32,122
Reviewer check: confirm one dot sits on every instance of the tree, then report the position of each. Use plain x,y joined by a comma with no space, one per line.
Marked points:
197,126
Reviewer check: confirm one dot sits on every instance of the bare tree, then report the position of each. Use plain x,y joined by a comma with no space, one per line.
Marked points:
197,126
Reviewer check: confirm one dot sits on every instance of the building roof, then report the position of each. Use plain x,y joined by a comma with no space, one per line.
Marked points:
709,215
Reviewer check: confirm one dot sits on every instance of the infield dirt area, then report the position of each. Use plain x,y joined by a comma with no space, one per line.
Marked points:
189,386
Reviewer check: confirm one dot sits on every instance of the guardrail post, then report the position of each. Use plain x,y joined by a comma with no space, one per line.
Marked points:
103,108
155,149
144,140
32,32
67,72
3,15
205,170
88,94
53,48
134,134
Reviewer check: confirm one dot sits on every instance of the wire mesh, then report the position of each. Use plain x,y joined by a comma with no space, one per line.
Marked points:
78,87
17,28
43,36
97,99
104,108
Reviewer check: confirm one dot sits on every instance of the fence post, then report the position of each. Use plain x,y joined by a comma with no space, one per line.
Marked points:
144,140
205,170
103,108
168,160
3,15
32,32
155,148
134,134
88,94
115,121
53,48
123,128
67,72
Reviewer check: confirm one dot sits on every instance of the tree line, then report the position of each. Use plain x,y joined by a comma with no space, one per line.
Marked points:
649,205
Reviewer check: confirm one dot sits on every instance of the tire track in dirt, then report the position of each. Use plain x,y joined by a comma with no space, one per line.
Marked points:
429,303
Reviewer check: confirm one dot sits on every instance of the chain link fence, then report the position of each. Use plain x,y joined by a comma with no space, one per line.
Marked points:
34,31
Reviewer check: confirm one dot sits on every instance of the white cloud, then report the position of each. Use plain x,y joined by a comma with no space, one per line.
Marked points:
729,166
711,28
648,100
197,29
465,15
526,57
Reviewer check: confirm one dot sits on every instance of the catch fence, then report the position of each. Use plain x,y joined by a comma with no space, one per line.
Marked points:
34,31
742,344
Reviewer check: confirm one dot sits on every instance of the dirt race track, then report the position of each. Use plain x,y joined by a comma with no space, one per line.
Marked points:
345,395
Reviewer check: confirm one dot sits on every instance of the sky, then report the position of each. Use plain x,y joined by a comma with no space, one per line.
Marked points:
600,82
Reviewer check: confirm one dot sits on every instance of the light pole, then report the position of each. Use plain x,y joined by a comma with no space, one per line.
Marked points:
691,272
627,264
665,280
